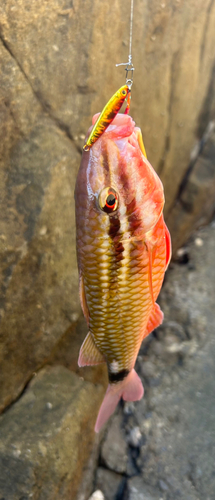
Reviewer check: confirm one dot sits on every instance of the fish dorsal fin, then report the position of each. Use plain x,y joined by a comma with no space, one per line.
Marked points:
155,319
89,354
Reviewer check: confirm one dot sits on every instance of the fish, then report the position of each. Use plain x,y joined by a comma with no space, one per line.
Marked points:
105,118
123,251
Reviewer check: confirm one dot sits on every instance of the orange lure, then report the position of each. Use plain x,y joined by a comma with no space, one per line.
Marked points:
107,115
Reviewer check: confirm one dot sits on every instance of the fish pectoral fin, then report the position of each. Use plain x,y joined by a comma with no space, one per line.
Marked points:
89,354
155,319
83,299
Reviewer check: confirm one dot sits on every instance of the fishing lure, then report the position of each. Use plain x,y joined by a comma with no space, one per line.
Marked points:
123,249
107,116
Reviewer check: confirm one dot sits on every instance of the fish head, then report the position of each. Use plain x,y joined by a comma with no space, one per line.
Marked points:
118,193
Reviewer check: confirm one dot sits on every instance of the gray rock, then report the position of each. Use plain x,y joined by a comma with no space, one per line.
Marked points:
134,437
114,453
47,437
109,483
138,490
163,485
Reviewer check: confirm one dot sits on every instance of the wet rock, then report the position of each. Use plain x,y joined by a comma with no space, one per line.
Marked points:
47,436
114,453
110,483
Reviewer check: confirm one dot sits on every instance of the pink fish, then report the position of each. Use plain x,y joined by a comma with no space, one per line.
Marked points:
123,250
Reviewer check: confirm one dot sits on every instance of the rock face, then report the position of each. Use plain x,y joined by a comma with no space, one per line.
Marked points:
46,437
38,269
57,70
54,77
195,202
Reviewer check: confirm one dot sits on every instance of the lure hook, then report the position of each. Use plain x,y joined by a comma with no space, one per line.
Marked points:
129,69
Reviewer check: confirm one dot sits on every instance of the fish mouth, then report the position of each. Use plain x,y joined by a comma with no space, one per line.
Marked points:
121,126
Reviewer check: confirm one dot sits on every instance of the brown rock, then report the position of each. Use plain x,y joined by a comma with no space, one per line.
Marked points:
71,67
47,436
196,203
57,70
39,275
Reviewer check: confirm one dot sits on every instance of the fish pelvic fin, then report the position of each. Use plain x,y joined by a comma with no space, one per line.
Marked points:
155,320
130,389
89,354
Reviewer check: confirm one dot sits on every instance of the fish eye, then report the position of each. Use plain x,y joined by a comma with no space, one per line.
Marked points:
124,92
108,200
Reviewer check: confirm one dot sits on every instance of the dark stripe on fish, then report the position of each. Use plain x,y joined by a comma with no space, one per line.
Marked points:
114,226
105,164
117,377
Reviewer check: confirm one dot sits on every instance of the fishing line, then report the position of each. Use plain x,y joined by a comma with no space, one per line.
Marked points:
129,64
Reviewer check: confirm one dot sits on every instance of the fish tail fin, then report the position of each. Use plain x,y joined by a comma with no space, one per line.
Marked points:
130,389
133,389
107,407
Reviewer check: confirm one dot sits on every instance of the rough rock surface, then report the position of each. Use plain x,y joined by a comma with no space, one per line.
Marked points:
114,449
170,433
195,202
57,70
137,490
62,50
105,478
46,437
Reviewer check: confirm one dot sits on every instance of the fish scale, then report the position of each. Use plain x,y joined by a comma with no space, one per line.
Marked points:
102,315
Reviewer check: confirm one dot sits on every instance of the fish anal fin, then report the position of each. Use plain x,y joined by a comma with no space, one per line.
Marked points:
168,246
155,320
89,354
83,299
